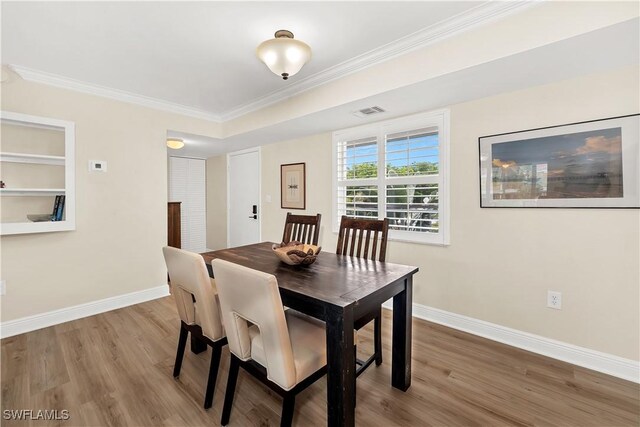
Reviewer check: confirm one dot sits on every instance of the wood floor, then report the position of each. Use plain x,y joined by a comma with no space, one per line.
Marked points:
114,369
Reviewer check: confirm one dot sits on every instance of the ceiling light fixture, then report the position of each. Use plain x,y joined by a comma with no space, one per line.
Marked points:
284,55
175,143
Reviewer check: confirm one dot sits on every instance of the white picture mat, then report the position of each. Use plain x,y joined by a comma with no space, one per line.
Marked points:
630,126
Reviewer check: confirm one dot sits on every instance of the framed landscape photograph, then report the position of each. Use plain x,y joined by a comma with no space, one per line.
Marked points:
292,186
592,164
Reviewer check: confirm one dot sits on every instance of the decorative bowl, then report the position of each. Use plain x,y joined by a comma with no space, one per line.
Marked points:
296,253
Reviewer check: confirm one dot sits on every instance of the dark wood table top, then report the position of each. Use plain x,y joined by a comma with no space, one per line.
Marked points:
333,279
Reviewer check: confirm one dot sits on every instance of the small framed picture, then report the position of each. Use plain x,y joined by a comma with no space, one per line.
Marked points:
594,164
293,186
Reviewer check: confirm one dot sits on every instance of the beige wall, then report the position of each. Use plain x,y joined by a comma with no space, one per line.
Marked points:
501,262
121,215
217,202
315,151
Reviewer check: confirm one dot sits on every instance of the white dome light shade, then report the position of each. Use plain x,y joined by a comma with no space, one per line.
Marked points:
283,55
175,143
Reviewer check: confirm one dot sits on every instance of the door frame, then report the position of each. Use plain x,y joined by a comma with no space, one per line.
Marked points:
235,153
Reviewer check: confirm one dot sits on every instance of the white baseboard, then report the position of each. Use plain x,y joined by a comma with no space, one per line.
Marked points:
39,321
598,361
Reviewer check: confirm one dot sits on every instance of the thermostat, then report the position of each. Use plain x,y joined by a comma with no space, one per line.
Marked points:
97,166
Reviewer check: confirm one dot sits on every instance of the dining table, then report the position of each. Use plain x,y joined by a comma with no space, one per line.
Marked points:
339,290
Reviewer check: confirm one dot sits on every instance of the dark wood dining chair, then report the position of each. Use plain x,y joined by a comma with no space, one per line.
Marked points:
302,228
365,238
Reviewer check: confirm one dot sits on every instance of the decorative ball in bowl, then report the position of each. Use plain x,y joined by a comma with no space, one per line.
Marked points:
296,253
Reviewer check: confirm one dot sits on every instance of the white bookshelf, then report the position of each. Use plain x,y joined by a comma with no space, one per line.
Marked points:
32,191
16,196
32,158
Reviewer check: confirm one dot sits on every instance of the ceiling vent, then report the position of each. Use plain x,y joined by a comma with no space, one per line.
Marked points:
366,112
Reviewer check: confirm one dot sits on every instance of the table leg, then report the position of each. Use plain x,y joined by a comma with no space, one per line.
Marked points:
401,349
341,377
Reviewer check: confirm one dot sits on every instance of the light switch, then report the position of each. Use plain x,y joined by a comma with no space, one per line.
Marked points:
97,166
268,198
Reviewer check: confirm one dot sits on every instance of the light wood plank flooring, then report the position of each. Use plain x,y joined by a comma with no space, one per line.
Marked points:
114,369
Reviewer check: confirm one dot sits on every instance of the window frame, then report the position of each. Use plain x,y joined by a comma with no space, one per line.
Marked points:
380,130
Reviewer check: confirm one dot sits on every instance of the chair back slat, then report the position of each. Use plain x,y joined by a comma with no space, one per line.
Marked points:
375,246
366,247
359,253
353,240
305,233
345,236
302,228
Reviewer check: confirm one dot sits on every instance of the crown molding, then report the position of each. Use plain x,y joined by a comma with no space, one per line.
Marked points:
466,21
106,92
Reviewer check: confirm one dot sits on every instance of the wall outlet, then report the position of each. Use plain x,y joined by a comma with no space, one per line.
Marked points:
554,299
3,287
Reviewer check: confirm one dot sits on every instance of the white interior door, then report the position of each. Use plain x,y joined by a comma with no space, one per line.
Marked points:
244,197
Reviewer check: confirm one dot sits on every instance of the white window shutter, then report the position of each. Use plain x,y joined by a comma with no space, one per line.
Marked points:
187,184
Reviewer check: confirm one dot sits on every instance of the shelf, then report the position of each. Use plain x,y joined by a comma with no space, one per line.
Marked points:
32,158
30,145
31,191
7,228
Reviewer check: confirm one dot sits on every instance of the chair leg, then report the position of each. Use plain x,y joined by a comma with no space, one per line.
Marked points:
287,411
234,367
197,345
182,344
377,337
216,352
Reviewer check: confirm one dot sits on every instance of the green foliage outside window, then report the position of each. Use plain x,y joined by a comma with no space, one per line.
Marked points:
412,207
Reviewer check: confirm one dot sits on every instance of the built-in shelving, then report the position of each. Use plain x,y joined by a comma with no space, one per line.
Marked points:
31,191
32,158
46,142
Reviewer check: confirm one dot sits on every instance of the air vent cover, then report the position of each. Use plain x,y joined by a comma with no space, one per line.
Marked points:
365,112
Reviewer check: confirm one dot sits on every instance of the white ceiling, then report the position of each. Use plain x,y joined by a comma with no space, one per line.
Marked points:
200,54
616,46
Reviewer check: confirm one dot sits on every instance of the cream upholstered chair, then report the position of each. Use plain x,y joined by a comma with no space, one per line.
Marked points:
196,297
284,350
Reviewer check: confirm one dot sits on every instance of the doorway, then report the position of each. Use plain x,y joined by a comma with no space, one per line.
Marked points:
243,195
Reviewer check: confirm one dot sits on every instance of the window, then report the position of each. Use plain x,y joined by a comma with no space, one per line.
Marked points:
396,169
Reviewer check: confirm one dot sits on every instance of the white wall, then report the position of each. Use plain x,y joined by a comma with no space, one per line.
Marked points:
501,262
121,222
